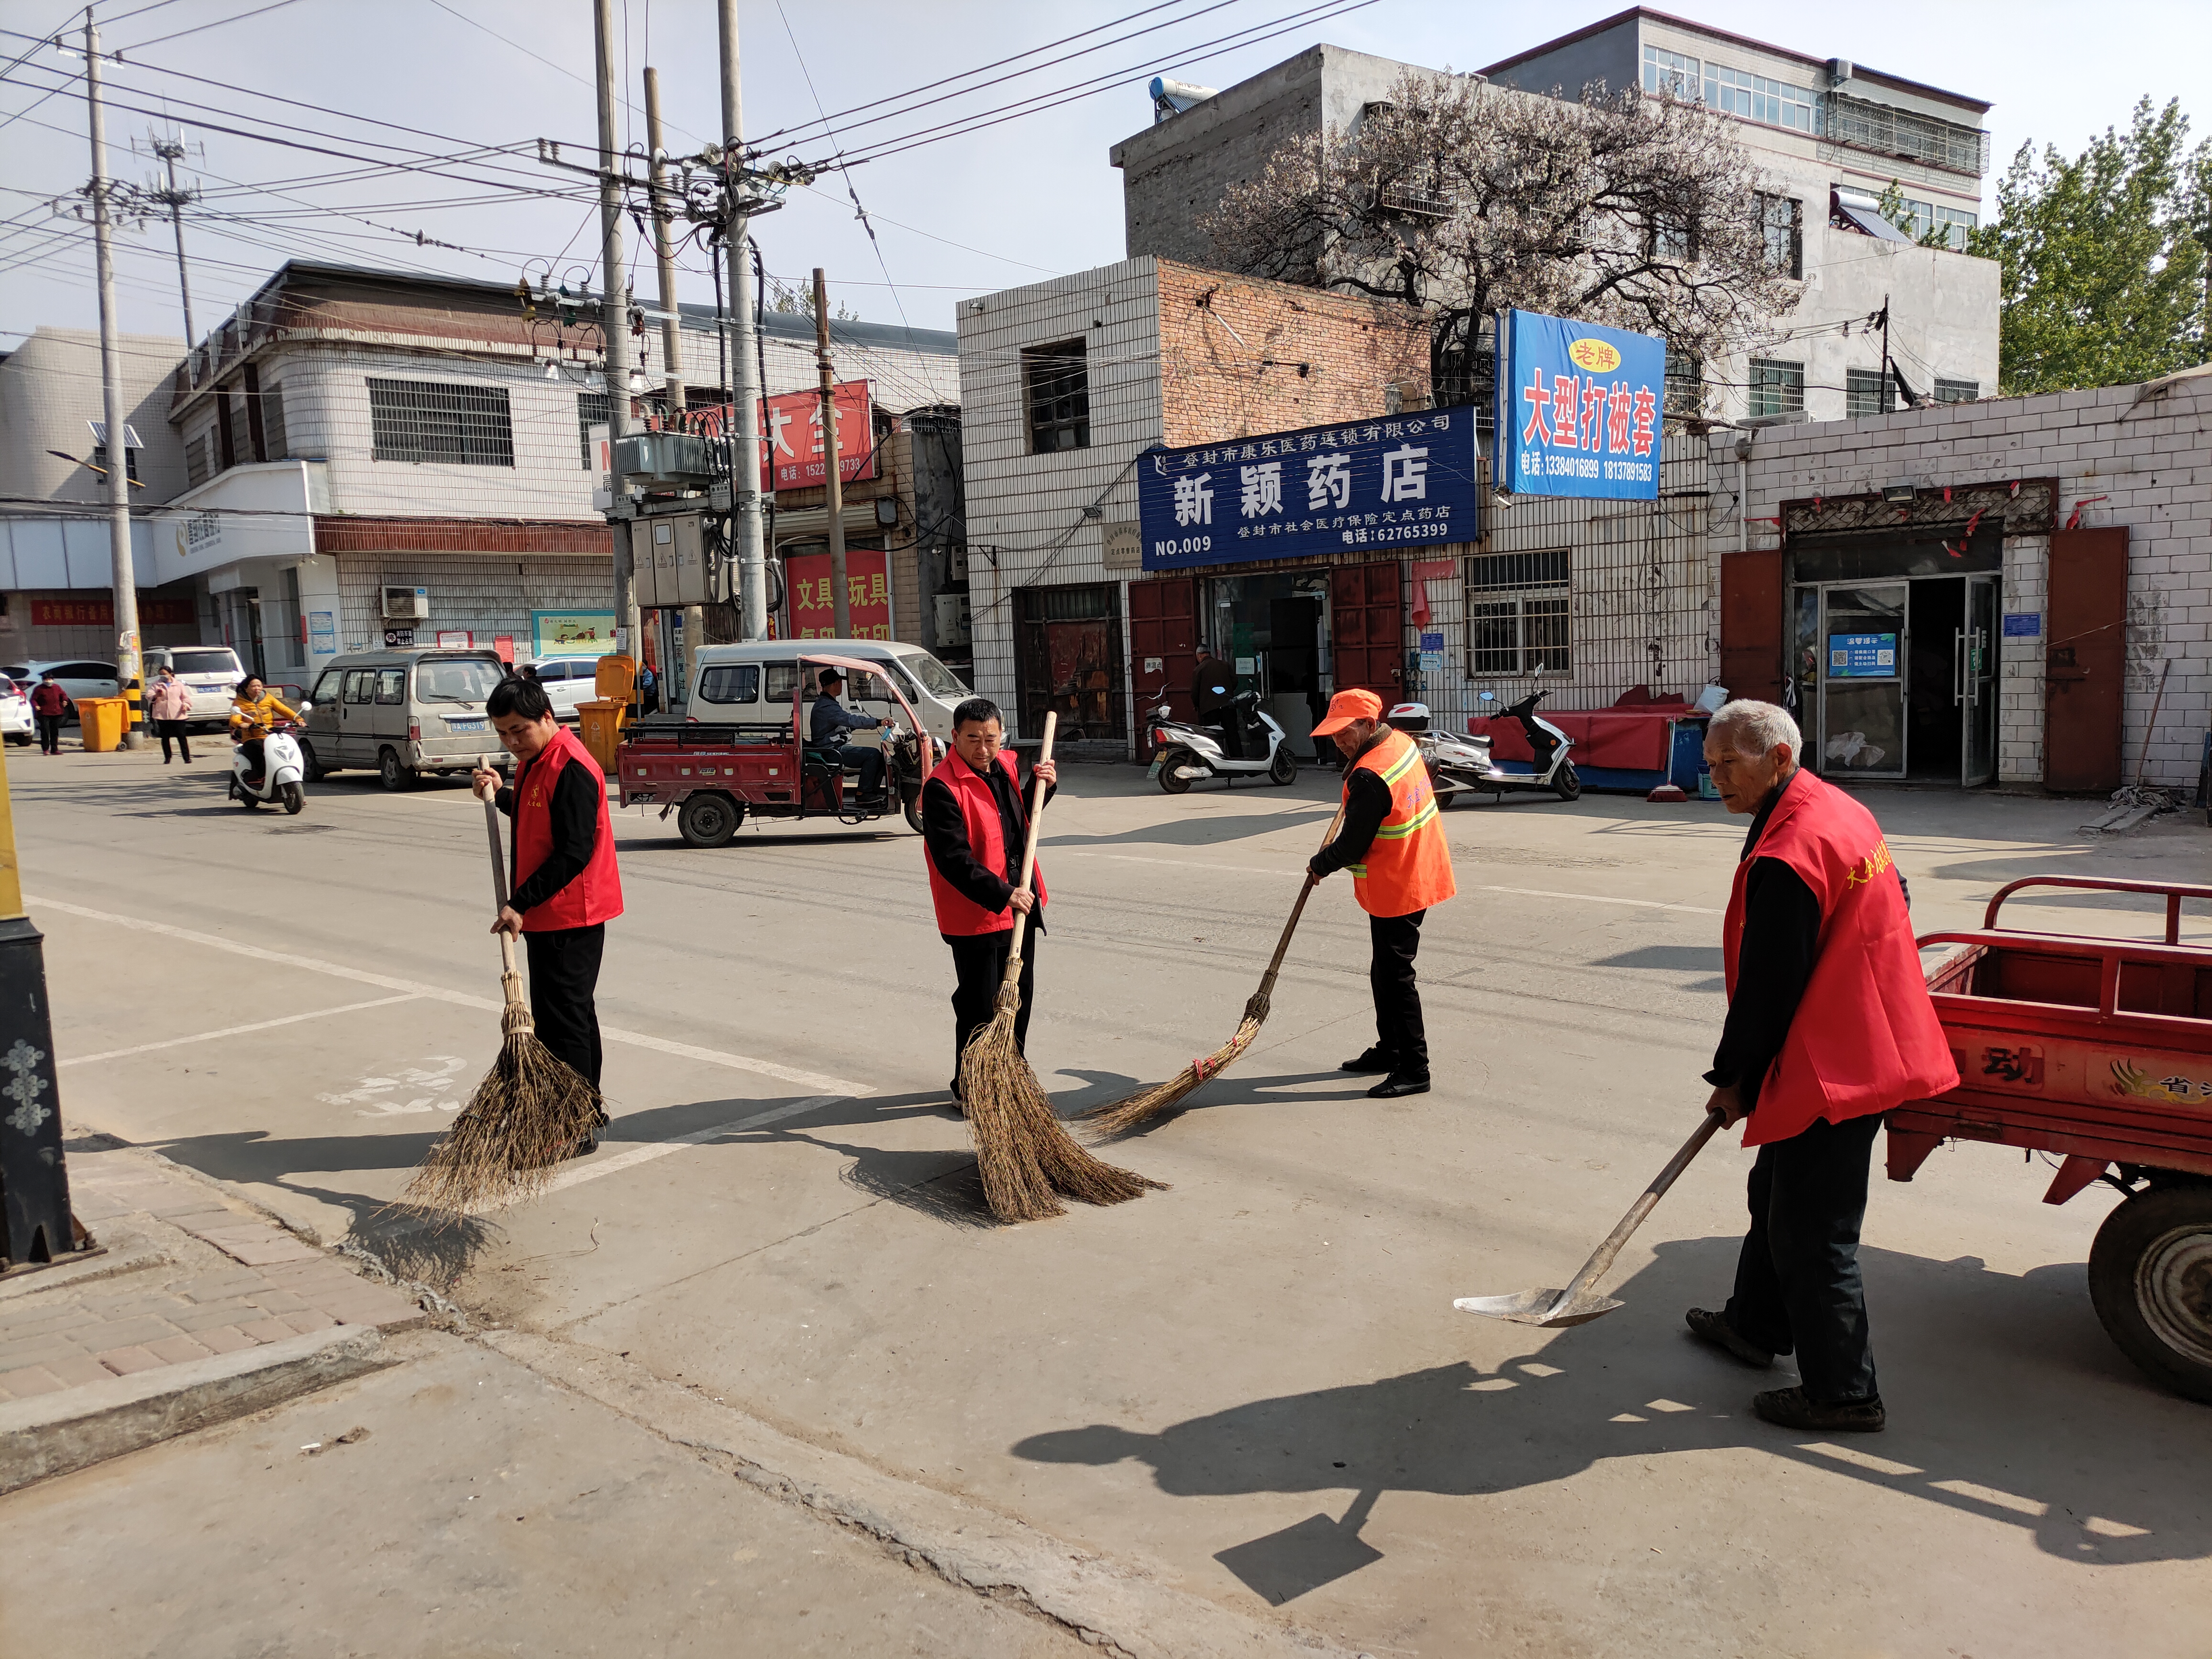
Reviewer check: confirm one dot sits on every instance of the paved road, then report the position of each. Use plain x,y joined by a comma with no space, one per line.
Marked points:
1254,1381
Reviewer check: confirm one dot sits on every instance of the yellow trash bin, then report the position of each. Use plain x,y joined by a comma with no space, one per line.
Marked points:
101,720
599,723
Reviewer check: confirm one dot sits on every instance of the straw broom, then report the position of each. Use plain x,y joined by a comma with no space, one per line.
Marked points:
1026,1157
531,1110
1119,1117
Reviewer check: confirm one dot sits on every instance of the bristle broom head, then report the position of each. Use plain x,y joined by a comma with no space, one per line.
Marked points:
1119,1117
525,1116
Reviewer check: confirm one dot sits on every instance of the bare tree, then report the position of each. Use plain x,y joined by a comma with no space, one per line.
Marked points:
1464,199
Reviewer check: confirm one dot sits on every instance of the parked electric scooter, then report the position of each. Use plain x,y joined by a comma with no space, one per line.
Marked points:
282,770
1460,765
1182,753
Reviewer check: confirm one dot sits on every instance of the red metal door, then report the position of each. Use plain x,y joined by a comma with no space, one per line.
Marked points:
1162,650
1750,624
1367,628
2086,659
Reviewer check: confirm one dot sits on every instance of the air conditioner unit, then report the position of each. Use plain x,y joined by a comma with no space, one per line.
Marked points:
407,603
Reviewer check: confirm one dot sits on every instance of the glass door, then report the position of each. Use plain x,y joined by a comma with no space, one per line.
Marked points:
1977,670
1862,658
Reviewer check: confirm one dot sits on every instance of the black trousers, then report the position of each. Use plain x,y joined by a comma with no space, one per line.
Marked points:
50,733
169,729
254,755
870,764
980,960
1399,1031
564,973
1797,1283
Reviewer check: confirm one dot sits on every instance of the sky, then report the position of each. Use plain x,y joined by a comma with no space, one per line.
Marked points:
1009,204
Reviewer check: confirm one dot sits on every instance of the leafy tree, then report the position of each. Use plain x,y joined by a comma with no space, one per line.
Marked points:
794,301
2104,257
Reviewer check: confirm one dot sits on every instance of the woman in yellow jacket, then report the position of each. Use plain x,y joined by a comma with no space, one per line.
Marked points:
253,710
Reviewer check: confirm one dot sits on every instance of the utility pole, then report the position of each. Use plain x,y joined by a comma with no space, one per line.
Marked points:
172,150
123,579
671,352
747,530
832,479
614,328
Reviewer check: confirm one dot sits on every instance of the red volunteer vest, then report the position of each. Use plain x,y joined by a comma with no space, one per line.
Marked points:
596,895
1407,866
957,913
1866,1037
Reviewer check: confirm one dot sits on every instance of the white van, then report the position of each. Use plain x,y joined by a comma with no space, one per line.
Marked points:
211,673
753,682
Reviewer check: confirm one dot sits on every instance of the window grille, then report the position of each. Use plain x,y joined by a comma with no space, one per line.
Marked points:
241,424
196,470
1866,391
1508,638
273,438
1769,103
1777,388
1491,572
431,420
1084,602
1781,225
591,411
1414,201
1684,385
1957,391
1901,132
1057,392
1670,75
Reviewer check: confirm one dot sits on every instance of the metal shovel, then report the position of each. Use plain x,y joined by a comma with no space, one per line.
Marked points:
1578,1305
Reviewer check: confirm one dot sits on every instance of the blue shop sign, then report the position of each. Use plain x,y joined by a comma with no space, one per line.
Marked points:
1580,409
2023,624
1861,656
1408,481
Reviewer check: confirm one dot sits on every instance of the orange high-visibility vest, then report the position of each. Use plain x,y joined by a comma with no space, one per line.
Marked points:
1407,866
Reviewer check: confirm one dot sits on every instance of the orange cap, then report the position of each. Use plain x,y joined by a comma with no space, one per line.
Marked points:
1346,706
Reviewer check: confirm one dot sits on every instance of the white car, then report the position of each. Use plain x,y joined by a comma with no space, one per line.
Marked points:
78,678
15,713
567,681
212,671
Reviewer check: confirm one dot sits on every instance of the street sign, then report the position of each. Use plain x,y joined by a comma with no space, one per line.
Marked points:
1580,409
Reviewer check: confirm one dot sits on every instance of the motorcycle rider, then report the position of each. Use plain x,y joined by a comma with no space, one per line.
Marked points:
254,711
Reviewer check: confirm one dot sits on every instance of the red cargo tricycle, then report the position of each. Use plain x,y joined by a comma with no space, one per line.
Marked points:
2097,1051
713,774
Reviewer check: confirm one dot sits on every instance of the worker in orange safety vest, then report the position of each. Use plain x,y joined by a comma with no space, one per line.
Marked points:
1393,842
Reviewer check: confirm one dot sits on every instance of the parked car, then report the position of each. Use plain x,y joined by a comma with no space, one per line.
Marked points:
78,678
567,681
15,712
753,682
212,671
401,714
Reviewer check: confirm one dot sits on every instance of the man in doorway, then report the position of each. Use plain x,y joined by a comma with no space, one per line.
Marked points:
1392,840
566,887
1214,694
827,723
975,826
1829,1026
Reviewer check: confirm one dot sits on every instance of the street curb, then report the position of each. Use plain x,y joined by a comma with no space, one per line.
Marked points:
1118,1608
53,1434
121,1251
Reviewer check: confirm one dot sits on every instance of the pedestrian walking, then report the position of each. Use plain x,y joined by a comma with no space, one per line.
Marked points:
171,706
1393,842
974,824
567,884
48,702
1829,1026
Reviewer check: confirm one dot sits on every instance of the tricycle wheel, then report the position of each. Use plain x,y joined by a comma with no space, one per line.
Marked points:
914,811
2150,1280
709,820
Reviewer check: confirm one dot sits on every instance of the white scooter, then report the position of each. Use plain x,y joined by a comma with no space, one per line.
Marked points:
1183,752
1463,765
282,770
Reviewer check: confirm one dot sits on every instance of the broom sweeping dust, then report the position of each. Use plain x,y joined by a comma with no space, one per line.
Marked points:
1118,1117
1026,1157
531,1110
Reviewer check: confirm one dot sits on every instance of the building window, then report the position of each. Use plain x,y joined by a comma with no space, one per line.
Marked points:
432,421
1955,223
197,469
1673,240
1900,133
1685,386
1865,392
130,460
1777,388
1670,75
1957,391
1523,629
1056,392
273,437
1769,103
1782,228
591,411
1489,572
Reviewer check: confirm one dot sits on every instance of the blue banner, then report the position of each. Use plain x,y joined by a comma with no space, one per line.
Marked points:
1580,409
1406,480
1861,656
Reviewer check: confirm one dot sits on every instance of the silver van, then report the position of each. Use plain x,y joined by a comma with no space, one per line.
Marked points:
754,681
401,714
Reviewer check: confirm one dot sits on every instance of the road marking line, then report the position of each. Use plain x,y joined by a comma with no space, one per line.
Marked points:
1600,898
577,1174
232,1030
1525,892
815,1080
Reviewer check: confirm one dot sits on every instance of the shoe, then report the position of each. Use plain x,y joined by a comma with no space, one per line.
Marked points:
1790,1409
583,1147
1373,1060
1714,1328
1398,1084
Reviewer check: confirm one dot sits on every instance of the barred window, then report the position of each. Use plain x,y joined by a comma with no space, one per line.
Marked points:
196,469
1684,385
1864,393
1957,391
1507,638
591,411
273,438
1056,393
1489,572
1782,230
429,421
1777,388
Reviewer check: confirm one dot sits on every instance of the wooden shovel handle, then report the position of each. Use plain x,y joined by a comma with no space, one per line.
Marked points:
1601,1259
1029,849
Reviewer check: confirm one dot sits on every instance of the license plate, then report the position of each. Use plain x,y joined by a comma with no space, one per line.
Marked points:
1158,761
464,726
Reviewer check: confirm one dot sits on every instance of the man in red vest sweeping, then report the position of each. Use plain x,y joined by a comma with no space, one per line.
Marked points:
974,823
1829,1026
1392,841
566,886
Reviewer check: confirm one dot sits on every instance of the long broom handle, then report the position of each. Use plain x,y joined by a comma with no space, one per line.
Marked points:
498,873
1029,849
1602,1258
1283,945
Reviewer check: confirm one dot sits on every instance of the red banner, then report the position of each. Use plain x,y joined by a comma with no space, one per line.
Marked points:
867,589
791,456
100,613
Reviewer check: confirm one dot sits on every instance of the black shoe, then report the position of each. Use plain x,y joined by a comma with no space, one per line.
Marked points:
1789,1408
1399,1083
583,1147
959,1099
1375,1059
1714,1328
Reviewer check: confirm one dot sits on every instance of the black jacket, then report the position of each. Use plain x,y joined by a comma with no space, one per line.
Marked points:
1781,938
944,834
1366,803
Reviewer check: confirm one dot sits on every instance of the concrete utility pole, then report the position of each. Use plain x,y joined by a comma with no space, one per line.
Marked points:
832,479
614,327
747,530
123,580
172,150
671,351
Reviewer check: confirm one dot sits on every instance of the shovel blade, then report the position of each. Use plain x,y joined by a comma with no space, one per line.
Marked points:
1549,1309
